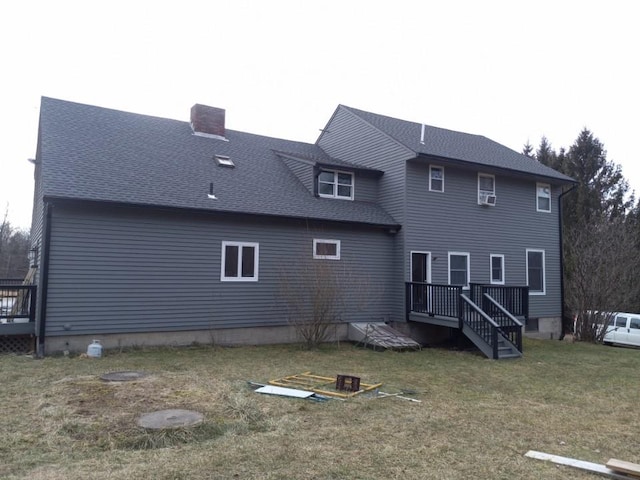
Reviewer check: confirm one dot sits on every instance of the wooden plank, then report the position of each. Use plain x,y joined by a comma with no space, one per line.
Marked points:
579,464
285,392
622,466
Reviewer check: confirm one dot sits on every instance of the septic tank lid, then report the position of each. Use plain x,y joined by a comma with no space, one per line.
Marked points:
175,418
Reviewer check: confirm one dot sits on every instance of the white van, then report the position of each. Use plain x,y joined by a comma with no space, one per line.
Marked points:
624,330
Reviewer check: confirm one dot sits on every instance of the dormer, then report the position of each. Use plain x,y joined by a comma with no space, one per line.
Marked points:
335,179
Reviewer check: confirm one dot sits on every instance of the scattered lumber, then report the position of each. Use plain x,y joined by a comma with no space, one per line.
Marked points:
632,469
579,464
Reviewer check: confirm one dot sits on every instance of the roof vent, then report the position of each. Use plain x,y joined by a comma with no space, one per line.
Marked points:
224,161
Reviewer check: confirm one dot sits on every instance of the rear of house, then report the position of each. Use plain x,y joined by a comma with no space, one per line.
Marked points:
157,231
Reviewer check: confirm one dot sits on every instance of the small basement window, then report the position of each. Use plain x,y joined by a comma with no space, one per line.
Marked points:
224,161
326,249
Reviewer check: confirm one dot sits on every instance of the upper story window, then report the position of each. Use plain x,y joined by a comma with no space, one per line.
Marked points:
335,184
326,249
543,197
436,178
239,262
486,189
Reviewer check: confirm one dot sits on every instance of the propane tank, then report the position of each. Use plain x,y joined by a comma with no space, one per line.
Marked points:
94,350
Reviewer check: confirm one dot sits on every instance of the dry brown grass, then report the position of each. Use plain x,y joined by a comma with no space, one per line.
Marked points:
476,420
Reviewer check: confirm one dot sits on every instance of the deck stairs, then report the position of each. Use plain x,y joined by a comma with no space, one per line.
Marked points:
486,330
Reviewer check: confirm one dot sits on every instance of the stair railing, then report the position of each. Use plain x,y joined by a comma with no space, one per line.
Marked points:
481,323
510,326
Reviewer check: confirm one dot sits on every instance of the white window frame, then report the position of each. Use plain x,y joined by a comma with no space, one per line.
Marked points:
492,281
316,241
544,273
483,193
241,246
538,197
459,254
431,169
335,184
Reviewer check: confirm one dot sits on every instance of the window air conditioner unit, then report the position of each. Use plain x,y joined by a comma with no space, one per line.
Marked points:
488,200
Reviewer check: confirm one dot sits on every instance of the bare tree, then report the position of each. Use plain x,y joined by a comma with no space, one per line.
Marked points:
602,280
14,249
317,294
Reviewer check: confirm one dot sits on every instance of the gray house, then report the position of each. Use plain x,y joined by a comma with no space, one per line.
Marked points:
157,231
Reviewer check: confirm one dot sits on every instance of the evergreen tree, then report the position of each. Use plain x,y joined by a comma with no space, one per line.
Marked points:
527,150
602,189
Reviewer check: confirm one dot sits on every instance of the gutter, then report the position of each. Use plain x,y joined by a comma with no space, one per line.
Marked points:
560,230
44,283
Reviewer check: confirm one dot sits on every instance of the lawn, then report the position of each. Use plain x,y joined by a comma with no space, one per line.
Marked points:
476,419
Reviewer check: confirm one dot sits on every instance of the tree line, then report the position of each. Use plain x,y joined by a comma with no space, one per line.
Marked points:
601,235
14,250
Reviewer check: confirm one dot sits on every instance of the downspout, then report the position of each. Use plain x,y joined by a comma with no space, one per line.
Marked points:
44,284
560,230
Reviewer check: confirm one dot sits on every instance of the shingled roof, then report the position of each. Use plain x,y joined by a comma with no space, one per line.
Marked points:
99,154
456,146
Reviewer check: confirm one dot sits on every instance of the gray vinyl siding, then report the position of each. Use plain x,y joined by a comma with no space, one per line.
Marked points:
366,188
350,138
453,221
302,170
128,270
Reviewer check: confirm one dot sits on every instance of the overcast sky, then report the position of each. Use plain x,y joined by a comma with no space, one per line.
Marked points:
512,71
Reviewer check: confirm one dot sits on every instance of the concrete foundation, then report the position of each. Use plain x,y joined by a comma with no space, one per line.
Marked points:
549,328
223,337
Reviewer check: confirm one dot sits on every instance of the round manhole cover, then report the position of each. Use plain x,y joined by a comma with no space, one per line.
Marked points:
170,419
127,376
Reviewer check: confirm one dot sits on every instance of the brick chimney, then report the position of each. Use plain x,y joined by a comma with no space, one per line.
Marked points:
208,120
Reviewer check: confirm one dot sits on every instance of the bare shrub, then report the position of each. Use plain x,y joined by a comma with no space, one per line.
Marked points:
313,297
317,294
603,266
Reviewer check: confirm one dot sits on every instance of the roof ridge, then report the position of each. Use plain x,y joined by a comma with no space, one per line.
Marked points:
396,119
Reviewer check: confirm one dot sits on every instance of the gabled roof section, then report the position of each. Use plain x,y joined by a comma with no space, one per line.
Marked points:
99,154
457,146
326,161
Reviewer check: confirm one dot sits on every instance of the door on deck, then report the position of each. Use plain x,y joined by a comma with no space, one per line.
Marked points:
421,273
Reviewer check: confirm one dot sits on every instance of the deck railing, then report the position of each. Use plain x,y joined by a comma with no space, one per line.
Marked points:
513,298
433,299
510,326
17,302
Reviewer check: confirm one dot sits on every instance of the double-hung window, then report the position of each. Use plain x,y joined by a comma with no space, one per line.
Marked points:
543,197
459,269
335,184
497,269
535,271
326,249
486,189
436,178
239,262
